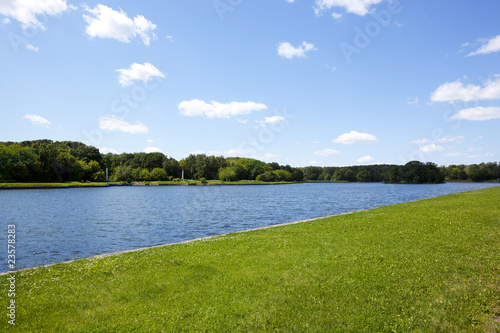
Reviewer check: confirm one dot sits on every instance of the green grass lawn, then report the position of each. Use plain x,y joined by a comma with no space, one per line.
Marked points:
426,266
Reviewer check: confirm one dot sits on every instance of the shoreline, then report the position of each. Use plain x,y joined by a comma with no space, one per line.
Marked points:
98,185
218,235
104,255
44,187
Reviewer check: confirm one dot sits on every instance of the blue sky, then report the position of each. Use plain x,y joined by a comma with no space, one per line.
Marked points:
299,82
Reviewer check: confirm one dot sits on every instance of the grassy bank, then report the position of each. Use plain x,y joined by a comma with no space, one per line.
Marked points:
426,266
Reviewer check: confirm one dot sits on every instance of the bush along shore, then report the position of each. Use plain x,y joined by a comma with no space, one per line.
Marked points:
424,266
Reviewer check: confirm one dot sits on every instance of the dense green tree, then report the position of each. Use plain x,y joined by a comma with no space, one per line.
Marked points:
228,174
158,174
344,174
282,175
297,175
16,163
144,175
46,160
122,173
458,174
172,168
67,167
153,160
267,176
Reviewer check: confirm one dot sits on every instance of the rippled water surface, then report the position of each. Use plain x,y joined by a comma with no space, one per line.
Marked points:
63,224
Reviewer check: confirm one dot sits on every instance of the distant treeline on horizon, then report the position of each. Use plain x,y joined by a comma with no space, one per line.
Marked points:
46,161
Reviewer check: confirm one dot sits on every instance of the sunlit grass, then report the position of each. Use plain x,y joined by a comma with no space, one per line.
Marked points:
426,266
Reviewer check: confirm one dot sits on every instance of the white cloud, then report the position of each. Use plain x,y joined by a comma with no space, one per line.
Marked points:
138,72
354,137
456,91
243,121
420,141
104,22
37,120
365,159
6,20
290,1
197,108
288,51
492,45
152,150
336,16
478,114
25,11
104,150
170,38
358,7
326,152
431,148
31,48
270,120
150,141
445,139
116,124
268,156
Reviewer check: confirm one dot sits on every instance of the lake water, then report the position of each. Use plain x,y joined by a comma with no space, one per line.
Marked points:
58,225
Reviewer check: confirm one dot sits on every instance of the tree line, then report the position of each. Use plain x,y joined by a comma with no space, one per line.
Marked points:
46,160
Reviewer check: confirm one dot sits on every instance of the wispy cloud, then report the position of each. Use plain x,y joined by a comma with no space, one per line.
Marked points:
354,137
456,91
198,108
358,7
478,113
104,22
365,159
26,11
490,46
270,120
37,120
104,150
31,48
117,124
152,150
138,72
431,148
326,152
288,51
